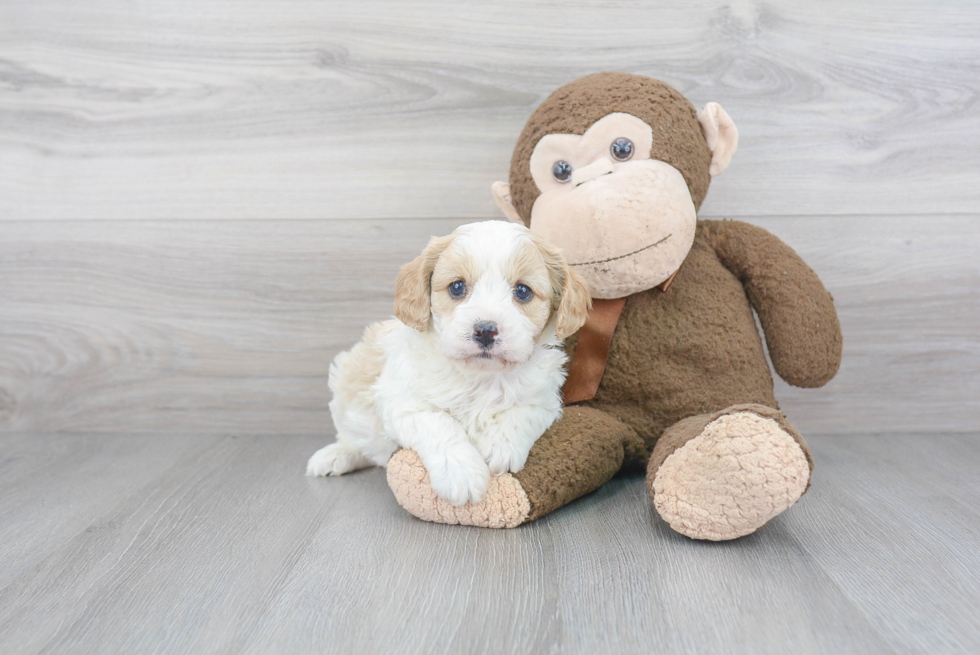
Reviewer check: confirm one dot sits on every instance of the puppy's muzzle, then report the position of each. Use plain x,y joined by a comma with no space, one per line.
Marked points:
484,333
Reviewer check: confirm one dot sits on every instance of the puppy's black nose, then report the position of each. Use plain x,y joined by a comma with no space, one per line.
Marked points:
484,333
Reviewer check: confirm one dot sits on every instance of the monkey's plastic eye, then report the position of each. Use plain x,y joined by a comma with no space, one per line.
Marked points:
562,171
523,292
621,149
457,289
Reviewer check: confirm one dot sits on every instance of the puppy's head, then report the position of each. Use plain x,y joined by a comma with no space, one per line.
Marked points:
491,291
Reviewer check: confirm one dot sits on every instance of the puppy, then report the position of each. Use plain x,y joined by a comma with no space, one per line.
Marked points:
470,374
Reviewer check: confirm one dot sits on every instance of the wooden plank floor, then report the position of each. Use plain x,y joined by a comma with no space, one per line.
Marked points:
174,543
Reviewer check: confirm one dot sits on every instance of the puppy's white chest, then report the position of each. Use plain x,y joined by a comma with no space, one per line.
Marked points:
417,377
484,401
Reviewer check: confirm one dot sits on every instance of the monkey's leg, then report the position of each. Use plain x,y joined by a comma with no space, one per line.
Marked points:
724,475
575,456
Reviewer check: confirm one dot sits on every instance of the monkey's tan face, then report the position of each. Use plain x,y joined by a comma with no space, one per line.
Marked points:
624,221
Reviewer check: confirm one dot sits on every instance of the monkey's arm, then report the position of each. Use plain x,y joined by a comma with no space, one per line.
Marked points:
796,311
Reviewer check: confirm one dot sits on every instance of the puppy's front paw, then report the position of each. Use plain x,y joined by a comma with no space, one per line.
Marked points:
336,459
458,474
502,455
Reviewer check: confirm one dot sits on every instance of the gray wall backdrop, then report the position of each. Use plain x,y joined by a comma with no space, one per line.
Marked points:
202,201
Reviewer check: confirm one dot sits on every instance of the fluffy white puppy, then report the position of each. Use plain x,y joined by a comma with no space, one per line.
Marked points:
470,375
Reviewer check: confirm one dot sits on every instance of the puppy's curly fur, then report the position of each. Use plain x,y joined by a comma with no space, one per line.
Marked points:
470,374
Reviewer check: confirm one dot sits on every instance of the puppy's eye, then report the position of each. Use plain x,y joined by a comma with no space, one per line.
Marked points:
562,171
457,289
621,149
523,292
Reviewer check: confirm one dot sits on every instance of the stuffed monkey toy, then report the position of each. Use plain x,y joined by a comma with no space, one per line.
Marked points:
668,374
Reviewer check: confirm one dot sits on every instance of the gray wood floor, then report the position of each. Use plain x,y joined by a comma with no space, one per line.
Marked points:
188,543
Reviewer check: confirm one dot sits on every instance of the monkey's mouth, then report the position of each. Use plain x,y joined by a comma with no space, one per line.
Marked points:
629,254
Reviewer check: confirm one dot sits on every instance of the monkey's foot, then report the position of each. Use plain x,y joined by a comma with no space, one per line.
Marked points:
505,505
727,477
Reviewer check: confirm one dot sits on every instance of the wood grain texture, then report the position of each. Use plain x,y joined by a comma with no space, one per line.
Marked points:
380,108
188,358
225,547
134,326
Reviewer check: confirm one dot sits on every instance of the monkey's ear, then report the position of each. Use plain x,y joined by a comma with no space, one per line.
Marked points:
501,193
721,134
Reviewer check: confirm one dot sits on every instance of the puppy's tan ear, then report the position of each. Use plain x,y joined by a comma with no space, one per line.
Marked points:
571,297
574,306
413,285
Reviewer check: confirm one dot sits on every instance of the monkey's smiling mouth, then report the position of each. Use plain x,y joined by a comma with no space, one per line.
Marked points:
629,254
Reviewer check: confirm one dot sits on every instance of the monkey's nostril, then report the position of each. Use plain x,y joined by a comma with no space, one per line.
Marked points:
598,168
484,333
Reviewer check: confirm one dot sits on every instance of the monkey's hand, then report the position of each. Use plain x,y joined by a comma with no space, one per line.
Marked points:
796,311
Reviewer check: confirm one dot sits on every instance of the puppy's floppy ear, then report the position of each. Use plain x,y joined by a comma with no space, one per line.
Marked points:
571,297
413,285
576,301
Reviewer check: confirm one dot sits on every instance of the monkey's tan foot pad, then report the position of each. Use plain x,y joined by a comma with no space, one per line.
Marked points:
505,505
730,480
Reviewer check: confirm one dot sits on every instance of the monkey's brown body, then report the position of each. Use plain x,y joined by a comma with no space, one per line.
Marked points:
690,351
686,391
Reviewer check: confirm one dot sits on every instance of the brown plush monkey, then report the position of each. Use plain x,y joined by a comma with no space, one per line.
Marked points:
669,372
